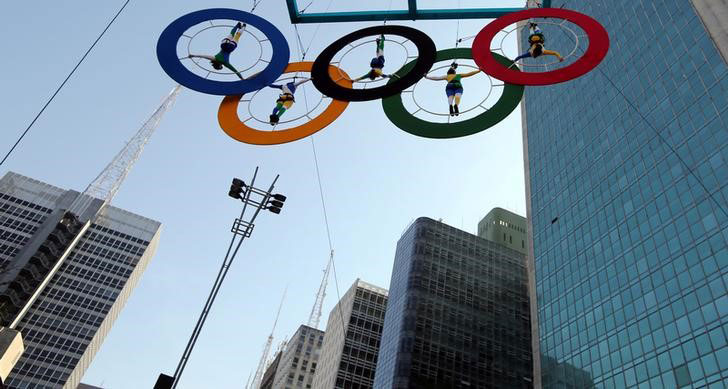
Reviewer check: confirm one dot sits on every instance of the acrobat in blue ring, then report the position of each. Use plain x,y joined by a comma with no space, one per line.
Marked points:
167,53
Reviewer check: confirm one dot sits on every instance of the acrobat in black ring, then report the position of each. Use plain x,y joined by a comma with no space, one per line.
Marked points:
426,53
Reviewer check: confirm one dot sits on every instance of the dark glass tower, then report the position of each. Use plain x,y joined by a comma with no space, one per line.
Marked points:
627,195
458,313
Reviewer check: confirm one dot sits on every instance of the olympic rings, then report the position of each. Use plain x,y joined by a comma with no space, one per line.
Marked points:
398,115
340,89
326,85
167,52
232,125
595,53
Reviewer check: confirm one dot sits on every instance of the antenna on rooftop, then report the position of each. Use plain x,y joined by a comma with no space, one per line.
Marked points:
266,349
315,318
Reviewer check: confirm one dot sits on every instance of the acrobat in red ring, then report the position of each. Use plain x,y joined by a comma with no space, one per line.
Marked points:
595,53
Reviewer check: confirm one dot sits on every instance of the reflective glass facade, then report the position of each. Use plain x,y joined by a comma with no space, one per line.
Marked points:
458,314
629,247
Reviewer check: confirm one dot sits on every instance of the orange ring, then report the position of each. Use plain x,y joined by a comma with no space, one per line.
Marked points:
230,122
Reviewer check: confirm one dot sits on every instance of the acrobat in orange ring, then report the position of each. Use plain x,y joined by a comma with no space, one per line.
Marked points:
230,122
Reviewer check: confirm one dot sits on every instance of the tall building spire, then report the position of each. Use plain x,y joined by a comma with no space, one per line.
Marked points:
108,182
266,349
34,266
315,318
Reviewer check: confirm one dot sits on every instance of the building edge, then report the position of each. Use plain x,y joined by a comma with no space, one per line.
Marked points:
530,265
713,14
93,347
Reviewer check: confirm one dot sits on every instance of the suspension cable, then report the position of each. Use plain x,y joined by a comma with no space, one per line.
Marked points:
302,55
457,31
659,135
328,235
17,142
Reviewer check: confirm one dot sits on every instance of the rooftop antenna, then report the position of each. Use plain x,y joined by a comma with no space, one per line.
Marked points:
315,318
266,349
108,182
76,220
247,384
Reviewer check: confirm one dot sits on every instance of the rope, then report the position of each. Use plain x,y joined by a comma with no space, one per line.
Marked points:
64,82
672,149
387,14
315,32
328,235
306,7
457,33
255,5
302,54
659,135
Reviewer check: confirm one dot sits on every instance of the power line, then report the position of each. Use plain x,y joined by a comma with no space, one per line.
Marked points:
64,82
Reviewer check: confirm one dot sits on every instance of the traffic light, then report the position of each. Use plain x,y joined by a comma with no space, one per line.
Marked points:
237,188
276,203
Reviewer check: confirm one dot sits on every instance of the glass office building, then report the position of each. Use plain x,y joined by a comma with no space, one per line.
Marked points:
458,314
627,197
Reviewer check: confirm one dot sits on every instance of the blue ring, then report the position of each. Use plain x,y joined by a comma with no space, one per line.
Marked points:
167,53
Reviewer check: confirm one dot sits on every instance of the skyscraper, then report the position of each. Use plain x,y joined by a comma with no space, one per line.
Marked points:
352,339
458,313
64,328
627,200
295,365
270,373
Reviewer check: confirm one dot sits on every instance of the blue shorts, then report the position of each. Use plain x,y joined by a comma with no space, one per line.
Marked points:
228,46
452,90
377,62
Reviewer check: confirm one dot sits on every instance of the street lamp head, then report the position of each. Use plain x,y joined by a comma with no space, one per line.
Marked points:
237,189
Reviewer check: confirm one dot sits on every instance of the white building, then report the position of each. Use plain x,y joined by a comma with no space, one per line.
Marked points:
349,355
299,360
65,326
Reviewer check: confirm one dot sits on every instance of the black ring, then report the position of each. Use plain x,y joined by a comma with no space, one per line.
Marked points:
426,53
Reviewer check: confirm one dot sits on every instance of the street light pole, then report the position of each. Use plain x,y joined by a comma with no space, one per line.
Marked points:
242,228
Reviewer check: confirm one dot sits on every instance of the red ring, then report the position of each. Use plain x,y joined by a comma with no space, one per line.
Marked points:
595,53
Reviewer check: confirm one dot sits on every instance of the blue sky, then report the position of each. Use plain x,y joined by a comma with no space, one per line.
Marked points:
376,180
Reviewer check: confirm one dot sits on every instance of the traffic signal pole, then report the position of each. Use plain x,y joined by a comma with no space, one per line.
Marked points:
254,200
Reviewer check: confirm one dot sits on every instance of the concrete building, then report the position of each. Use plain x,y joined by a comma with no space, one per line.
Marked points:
458,315
351,344
87,386
297,363
270,372
627,195
505,228
64,328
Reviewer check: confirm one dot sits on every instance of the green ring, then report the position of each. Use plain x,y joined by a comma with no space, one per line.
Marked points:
398,115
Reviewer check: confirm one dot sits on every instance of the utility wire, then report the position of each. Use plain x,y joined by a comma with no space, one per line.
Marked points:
64,82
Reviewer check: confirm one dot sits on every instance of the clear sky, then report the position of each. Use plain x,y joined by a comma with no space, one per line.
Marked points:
376,178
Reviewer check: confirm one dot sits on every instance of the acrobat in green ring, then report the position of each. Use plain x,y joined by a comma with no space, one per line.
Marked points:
400,117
